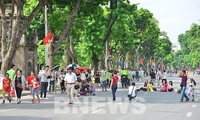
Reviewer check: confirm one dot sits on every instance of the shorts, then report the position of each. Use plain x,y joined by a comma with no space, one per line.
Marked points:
30,87
36,92
52,82
7,89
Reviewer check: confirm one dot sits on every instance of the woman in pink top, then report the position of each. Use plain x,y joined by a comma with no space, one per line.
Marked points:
113,85
165,86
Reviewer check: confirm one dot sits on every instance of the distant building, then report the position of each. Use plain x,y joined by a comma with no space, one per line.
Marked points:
176,47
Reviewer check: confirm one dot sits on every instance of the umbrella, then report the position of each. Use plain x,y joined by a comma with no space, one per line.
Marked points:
82,68
74,66
56,67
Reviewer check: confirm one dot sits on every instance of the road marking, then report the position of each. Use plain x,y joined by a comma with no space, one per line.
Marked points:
189,114
194,106
96,111
7,110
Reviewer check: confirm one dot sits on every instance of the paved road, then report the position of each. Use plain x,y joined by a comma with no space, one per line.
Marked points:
148,105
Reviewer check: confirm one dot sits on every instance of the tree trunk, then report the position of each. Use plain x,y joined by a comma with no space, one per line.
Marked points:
72,51
67,57
13,24
68,25
95,62
127,60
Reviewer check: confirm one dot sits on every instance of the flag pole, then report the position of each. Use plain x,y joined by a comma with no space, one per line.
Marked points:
106,59
46,32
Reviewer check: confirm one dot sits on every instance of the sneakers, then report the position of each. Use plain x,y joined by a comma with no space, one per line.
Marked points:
187,100
18,102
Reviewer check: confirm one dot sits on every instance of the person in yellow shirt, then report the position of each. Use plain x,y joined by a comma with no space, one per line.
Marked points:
124,78
150,86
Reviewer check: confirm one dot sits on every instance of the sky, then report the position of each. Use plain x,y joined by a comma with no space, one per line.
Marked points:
174,16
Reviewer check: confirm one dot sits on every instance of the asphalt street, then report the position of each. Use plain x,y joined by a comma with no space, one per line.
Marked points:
147,105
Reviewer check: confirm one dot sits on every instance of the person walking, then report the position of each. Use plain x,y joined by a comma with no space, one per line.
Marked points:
62,81
11,72
70,80
184,76
191,88
124,77
103,79
113,85
19,84
153,75
44,82
35,90
7,83
30,81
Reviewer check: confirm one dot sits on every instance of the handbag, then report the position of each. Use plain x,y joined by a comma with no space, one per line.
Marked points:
19,85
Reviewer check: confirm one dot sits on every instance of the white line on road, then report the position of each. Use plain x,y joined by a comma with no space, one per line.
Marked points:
189,114
194,106
6,110
96,111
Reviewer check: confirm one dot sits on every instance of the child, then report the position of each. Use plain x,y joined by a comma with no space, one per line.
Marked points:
77,87
132,91
35,90
192,84
7,83
92,88
165,85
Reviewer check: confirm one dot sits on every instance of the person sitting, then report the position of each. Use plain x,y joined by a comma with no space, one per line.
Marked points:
84,90
132,93
150,86
91,88
145,87
170,87
165,86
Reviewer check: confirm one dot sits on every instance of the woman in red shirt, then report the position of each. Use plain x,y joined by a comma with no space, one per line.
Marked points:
7,83
165,86
113,85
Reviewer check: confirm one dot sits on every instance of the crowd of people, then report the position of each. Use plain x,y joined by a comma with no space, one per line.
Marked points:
83,82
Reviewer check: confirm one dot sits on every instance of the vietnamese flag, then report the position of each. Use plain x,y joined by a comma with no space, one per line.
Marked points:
47,38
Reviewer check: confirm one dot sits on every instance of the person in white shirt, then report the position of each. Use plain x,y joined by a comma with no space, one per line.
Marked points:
83,76
44,81
70,79
103,79
132,91
158,76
